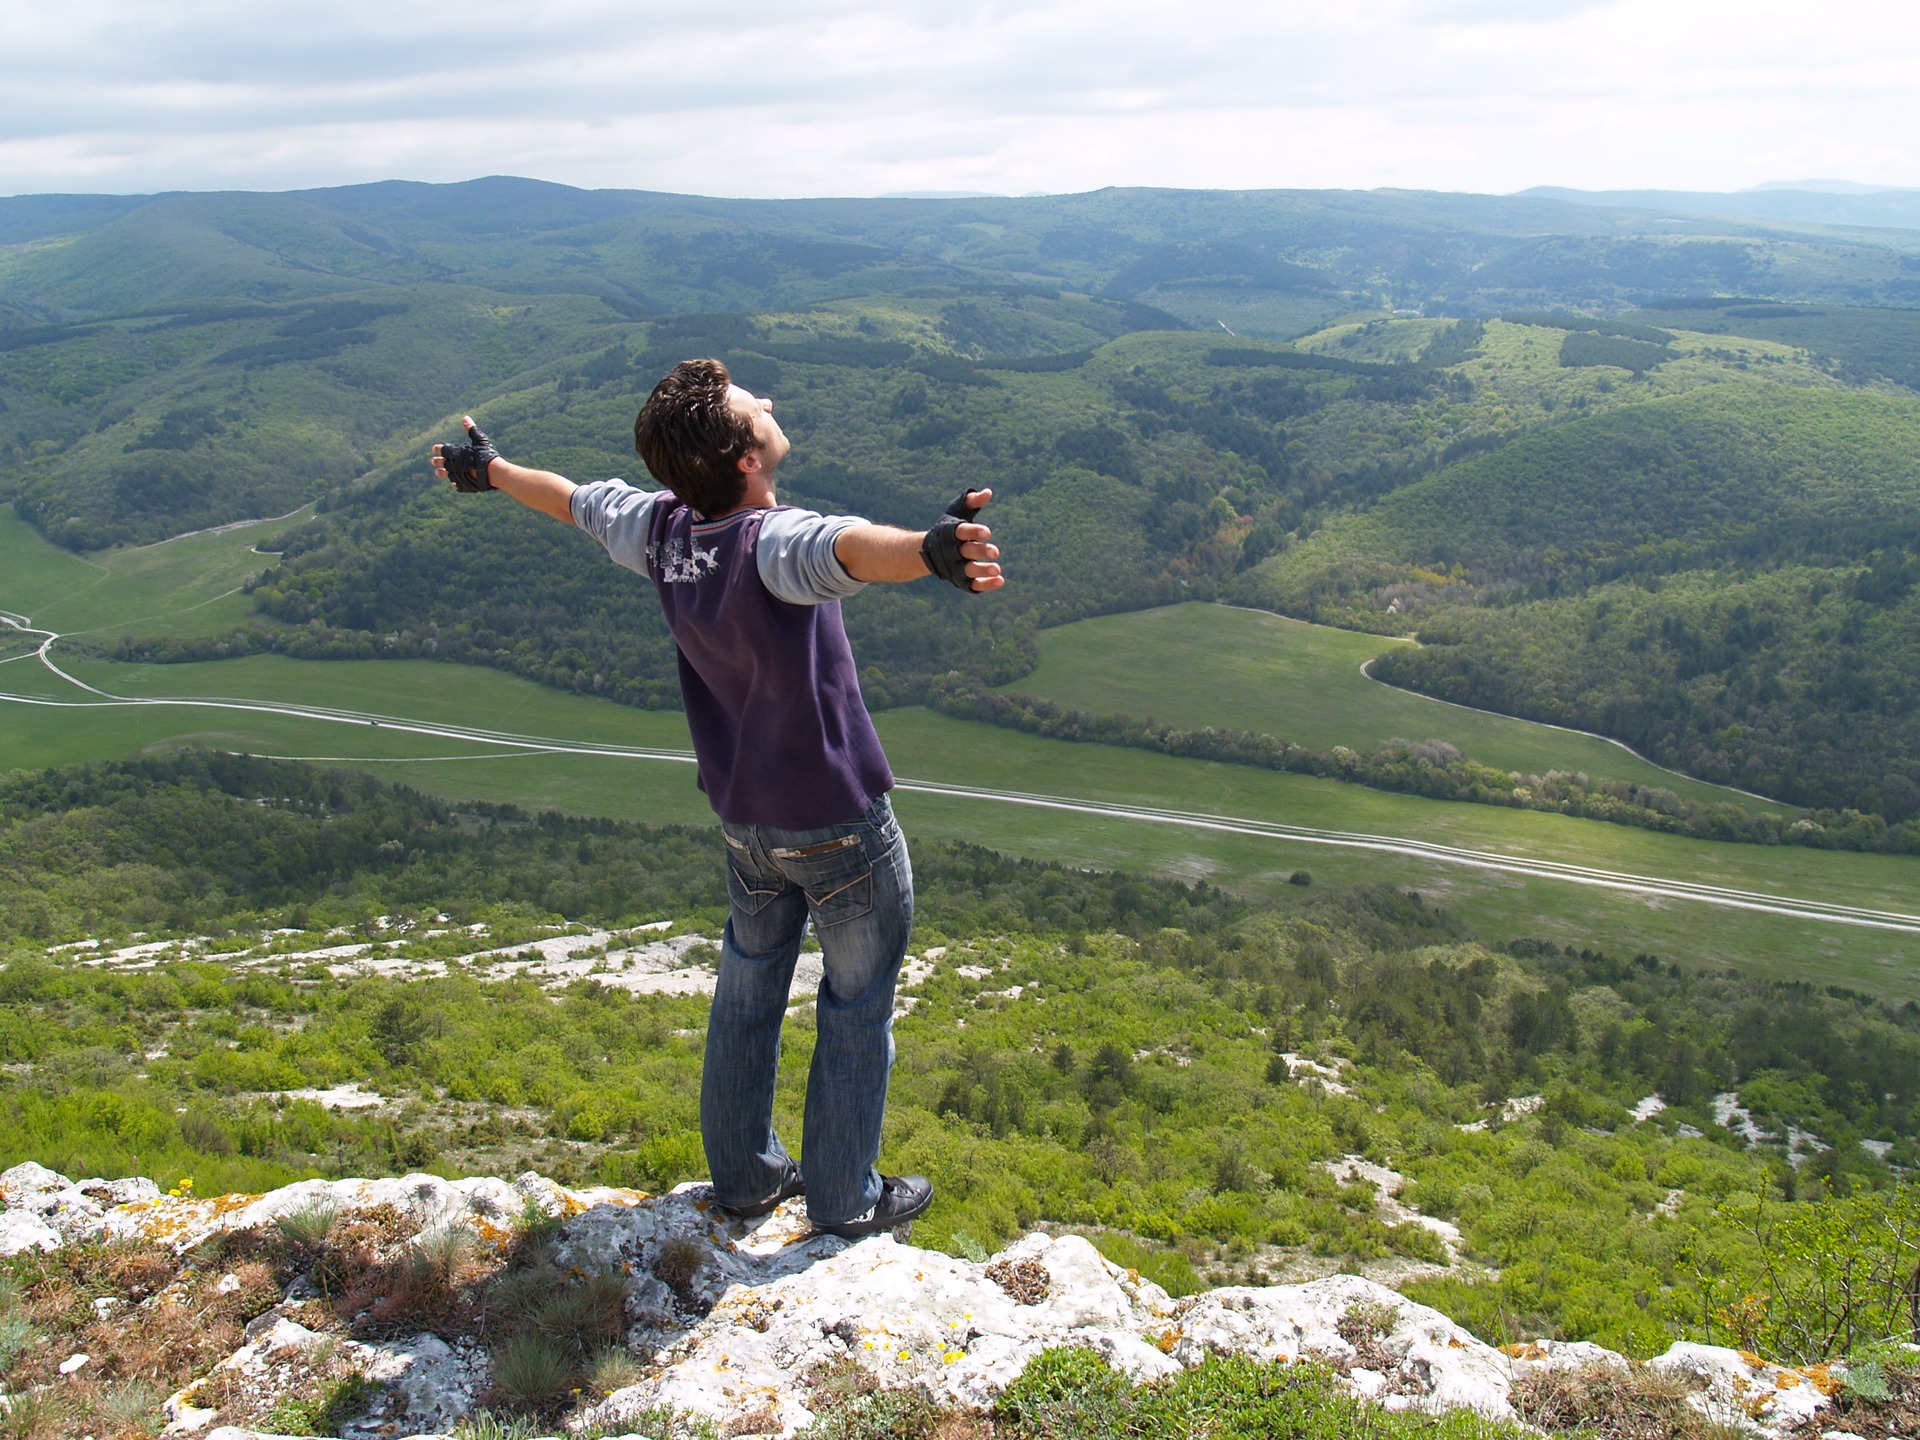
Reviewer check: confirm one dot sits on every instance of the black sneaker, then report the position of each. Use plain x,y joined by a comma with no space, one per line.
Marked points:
791,1184
903,1198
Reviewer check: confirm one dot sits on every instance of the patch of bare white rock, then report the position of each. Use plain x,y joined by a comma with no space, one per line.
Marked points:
771,1300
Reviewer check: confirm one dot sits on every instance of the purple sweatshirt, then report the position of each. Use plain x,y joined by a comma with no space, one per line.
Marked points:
772,697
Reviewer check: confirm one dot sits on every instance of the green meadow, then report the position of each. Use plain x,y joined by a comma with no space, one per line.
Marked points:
1195,665
190,585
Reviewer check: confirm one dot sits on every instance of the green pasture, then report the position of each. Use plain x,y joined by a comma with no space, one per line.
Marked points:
925,746
1195,665
190,585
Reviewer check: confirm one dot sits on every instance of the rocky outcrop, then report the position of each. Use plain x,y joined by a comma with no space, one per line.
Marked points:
724,1319
45,1210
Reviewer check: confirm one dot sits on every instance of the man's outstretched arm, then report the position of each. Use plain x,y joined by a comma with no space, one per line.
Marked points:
477,466
884,554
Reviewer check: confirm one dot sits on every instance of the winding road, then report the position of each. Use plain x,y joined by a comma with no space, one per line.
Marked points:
509,743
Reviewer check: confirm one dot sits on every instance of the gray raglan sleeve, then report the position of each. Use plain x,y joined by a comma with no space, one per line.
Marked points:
616,514
796,557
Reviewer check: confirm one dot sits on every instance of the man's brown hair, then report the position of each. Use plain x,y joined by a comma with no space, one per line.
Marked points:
692,438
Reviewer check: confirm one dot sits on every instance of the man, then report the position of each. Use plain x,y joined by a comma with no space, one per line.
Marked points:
789,759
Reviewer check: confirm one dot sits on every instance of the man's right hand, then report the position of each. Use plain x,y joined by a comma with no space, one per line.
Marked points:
959,551
465,466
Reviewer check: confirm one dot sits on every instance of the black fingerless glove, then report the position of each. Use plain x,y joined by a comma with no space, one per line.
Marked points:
467,464
941,548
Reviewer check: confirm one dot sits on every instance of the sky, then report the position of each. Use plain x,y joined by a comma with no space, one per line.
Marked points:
783,98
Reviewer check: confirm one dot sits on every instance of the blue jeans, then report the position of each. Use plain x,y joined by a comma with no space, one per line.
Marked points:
854,882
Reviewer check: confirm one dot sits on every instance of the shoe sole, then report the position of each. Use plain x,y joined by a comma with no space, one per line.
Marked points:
762,1210
901,1230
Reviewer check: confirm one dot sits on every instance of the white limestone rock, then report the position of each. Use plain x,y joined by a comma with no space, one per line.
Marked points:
1420,1359
27,1184
734,1313
24,1230
34,1189
906,1315
1744,1390
1533,1355
489,1207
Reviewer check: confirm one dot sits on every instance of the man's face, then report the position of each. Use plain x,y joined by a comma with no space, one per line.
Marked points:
770,442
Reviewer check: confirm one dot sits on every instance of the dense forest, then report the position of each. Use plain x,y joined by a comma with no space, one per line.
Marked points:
1155,1063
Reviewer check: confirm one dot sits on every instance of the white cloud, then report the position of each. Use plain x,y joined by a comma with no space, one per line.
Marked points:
857,97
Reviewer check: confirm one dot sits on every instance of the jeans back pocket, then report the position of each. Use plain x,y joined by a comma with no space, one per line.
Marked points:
750,894
838,881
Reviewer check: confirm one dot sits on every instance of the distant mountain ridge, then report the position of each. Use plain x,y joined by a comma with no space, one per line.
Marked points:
1805,203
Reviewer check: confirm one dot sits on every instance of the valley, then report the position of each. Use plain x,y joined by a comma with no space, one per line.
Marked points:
1439,796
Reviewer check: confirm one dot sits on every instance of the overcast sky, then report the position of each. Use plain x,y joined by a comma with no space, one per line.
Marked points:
855,97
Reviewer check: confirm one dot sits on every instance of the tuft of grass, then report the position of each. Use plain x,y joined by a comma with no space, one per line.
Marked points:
676,1264
16,1338
134,1408
307,1226
1620,1402
516,1295
612,1368
531,1371
438,1256
535,1225
586,1316
485,1425
35,1415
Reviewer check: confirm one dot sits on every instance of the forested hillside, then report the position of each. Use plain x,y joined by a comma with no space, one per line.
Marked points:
1723,580
1157,466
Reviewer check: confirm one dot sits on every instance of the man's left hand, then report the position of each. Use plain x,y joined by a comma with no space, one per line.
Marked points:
960,551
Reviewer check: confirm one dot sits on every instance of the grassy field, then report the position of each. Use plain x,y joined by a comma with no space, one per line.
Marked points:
186,586
934,748
1195,665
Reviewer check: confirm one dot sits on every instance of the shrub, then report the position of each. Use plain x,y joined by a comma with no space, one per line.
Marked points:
16,1338
1064,1392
